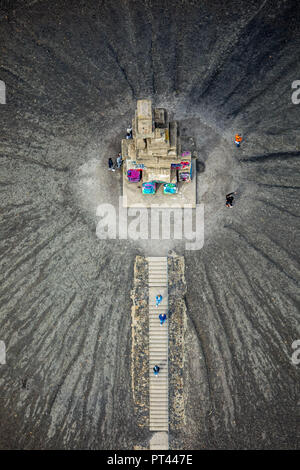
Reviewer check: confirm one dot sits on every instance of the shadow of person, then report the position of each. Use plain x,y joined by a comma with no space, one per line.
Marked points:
200,166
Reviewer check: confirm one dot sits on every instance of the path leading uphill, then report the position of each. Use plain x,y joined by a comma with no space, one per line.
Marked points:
158,353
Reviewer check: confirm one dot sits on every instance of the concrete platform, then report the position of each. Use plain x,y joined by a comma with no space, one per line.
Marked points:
186,196
159,441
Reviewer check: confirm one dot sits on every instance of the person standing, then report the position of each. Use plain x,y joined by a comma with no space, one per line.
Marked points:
162,318
156,370
238,139
158,299
129,133
229,199
119,160
111,164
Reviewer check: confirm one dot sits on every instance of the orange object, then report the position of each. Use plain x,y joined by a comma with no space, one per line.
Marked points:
238,138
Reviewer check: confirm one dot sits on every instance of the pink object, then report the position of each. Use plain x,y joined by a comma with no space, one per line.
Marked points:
186,154
134,176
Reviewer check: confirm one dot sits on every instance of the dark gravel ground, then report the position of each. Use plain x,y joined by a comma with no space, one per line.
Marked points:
73,71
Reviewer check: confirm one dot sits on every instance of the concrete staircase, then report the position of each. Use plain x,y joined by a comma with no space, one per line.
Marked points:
158,353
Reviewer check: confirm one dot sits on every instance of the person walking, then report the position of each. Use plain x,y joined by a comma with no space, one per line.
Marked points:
162,317
158,299
111,164
229,199
129,133
238,139
156,370
119,160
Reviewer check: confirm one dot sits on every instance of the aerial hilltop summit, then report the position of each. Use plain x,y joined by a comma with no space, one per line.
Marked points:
152,154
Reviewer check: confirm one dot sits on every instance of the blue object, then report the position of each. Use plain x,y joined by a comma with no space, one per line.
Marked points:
149,188
170,188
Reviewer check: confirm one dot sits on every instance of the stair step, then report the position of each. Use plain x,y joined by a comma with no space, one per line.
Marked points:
158,350
163,419
157,359
158,284
163,282
164,304
158,337
161,309
157,266
163,402
159,408
158,273
155,362
157,423
160,389
158,412
158,428
158,379
155,327
158,329
162,376
154,400
162,386
157,310
160,265
158,382
158,280
158,269
159,354
158,346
